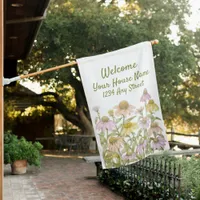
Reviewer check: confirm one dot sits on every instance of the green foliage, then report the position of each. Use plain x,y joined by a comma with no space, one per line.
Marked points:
190,175
138,188
75,29
21,149
10,115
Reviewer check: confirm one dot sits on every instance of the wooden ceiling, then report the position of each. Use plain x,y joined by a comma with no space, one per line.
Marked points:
22,22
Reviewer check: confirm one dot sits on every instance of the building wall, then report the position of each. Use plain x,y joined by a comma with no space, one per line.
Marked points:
32,128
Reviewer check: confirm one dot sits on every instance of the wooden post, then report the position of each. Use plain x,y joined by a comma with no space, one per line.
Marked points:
199,137
1,95
172,133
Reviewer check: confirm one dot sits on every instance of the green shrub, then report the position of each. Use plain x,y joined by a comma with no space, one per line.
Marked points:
20,149
190,175
134,189
138,188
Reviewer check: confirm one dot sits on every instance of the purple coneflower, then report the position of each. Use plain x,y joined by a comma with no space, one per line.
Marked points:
144,122
129,156
105,124
140,148
124,108
158,143
115,143
145,97
154,129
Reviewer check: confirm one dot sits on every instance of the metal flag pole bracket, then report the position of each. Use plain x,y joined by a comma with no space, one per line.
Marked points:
7,81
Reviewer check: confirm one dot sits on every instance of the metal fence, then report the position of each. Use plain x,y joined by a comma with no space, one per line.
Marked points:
150,178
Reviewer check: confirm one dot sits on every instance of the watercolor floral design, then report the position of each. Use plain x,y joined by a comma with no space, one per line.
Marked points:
128,134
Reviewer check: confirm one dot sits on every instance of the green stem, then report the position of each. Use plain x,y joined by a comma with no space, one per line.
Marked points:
145,109
116,125
117,129
123,119
106,134
98,115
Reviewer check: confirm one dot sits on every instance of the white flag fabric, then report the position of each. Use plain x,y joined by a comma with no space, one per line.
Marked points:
122,95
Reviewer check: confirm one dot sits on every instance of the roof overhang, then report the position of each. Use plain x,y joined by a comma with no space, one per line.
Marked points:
22,22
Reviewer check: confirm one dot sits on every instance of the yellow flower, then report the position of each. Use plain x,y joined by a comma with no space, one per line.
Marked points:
111,113
111,157
152,106
128,128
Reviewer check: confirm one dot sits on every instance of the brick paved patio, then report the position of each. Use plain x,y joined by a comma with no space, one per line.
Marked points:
57,179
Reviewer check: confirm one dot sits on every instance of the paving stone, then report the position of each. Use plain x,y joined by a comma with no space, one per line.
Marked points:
57,179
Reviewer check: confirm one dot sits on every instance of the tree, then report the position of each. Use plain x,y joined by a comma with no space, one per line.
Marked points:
75,29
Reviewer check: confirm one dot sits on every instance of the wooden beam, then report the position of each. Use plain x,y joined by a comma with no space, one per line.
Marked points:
1,96
183,134
24,20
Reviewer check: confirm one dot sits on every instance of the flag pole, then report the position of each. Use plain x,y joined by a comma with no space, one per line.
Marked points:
8,81
49,70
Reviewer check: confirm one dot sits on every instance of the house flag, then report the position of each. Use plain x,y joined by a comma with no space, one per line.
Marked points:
122,95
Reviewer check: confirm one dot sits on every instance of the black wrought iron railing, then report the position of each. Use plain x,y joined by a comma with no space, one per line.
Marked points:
150,178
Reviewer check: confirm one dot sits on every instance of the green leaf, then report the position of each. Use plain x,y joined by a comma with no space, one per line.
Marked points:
129,119
118,120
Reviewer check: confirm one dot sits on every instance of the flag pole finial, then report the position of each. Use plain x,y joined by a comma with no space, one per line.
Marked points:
154,42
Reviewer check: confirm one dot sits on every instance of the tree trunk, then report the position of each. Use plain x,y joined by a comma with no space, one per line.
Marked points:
88,128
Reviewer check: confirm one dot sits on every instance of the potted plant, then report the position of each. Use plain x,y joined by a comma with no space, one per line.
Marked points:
18,152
